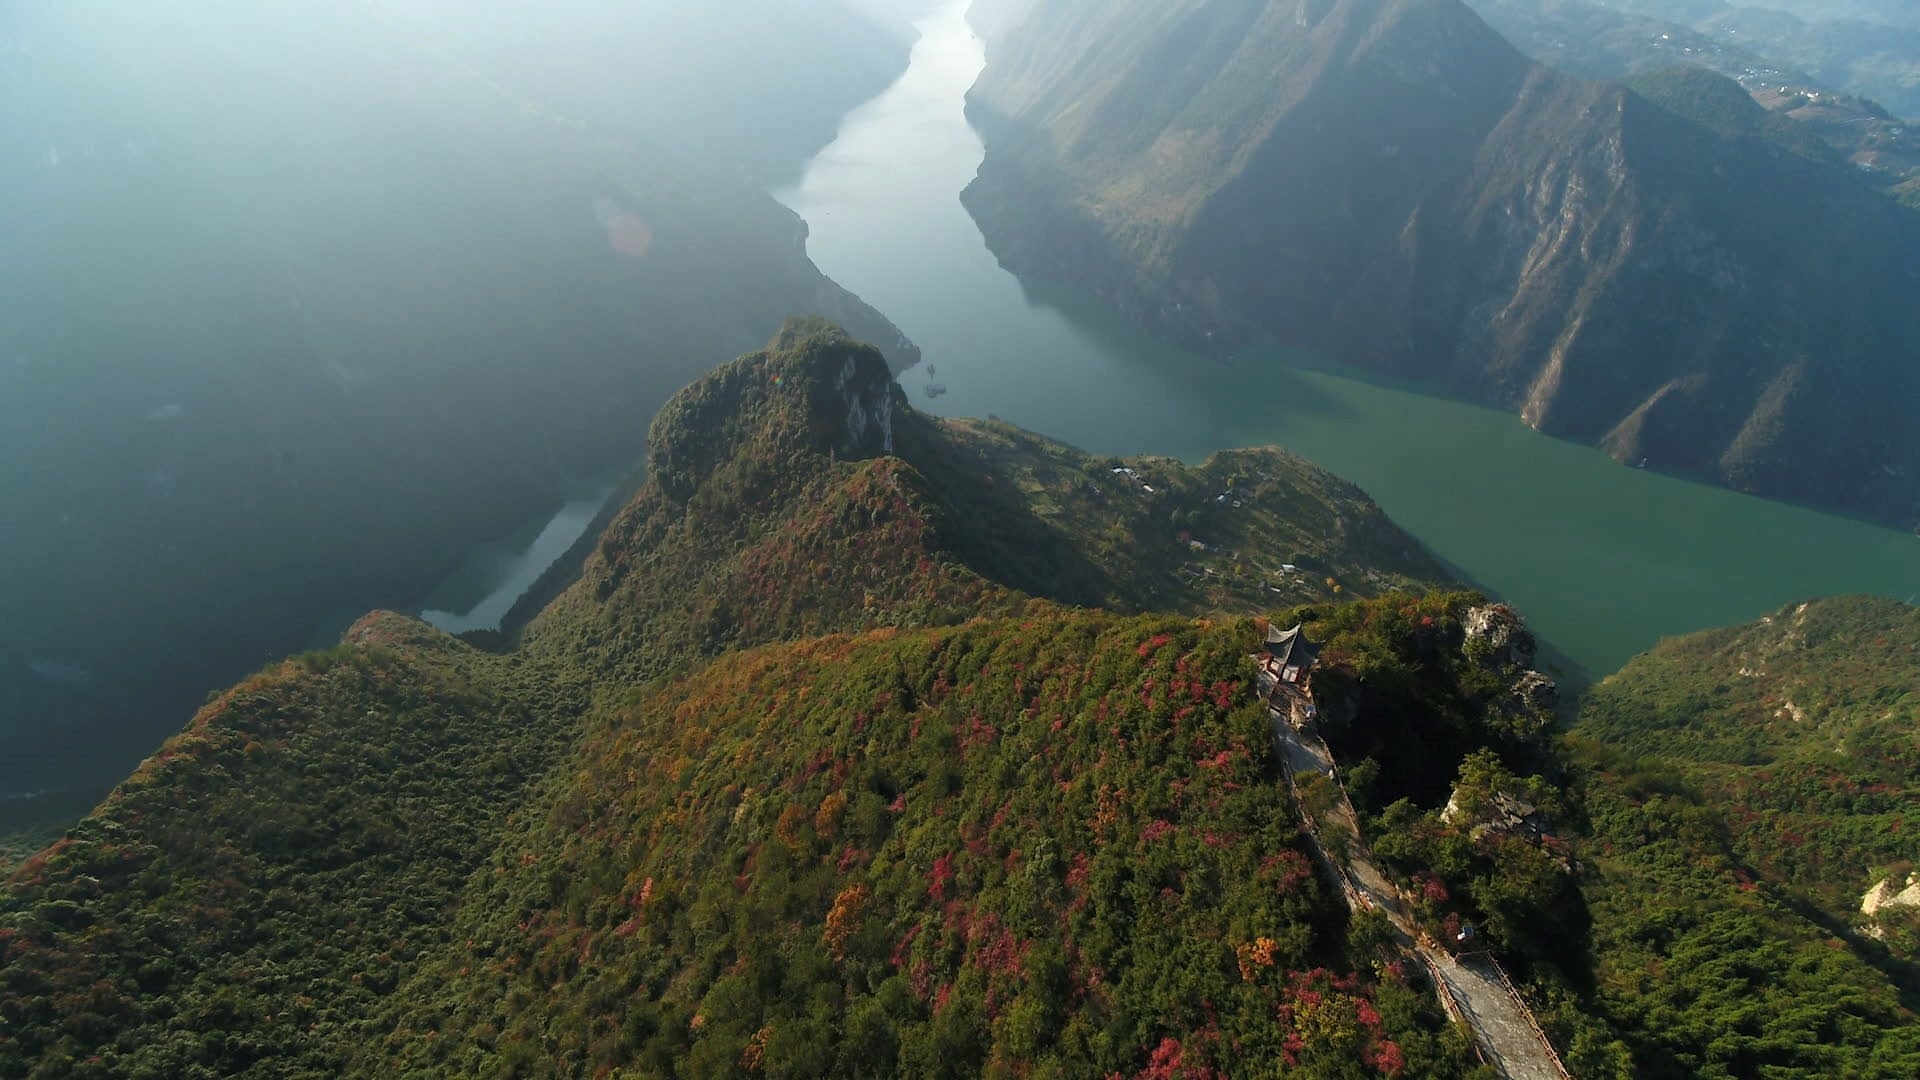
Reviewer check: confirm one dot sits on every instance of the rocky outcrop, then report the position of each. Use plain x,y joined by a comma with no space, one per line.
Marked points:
868,395
812,391
1499,811
1891,894
1497,636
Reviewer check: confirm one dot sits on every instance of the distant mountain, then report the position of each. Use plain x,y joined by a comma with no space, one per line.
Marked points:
299,302
1598,40
1885,12
1876,58
1866,47
1390,181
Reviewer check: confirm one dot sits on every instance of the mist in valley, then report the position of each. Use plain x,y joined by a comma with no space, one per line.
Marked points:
300,300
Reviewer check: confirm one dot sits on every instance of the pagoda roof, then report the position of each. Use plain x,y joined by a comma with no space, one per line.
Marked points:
1291,647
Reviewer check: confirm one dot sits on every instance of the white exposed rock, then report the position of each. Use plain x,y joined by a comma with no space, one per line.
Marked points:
1508,641
1535,691
1501,812
1889,894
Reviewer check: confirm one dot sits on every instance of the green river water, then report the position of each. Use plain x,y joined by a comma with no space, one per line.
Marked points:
1604,560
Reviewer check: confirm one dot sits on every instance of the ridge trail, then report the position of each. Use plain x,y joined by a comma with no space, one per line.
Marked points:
1473,989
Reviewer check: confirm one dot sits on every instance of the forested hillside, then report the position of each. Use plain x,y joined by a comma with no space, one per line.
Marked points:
246,902
805,458
1049,845
240,904
812,774
1747,786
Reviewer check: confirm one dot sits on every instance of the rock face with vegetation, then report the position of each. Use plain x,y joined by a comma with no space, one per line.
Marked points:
869,744
1392,182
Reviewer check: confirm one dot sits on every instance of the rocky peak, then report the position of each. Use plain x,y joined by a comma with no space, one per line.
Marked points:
812,392
1497,639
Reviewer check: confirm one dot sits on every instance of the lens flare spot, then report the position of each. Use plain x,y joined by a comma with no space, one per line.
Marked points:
627,234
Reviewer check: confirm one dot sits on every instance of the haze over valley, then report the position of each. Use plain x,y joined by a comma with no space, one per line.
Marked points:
304,300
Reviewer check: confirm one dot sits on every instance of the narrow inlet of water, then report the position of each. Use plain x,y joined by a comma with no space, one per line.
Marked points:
498,575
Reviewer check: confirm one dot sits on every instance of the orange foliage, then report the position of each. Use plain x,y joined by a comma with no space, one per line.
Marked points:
844,918
1255,954
788,829
826,821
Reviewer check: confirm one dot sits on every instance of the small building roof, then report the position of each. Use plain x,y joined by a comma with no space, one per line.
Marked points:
1291,647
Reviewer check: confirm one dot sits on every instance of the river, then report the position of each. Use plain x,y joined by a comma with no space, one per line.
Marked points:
1604,560
497,575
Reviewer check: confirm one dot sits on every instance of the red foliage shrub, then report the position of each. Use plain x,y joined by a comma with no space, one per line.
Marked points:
939,877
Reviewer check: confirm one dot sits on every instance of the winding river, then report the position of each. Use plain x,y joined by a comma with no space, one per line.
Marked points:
1605,560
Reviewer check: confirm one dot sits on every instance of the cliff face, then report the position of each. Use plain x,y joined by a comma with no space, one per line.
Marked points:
1391,182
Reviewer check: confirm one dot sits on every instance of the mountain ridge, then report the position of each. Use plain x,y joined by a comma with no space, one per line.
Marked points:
808,775
368,736
782,460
